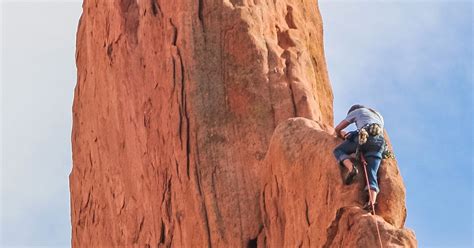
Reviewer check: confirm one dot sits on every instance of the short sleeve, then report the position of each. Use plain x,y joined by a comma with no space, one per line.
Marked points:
351,117
382,120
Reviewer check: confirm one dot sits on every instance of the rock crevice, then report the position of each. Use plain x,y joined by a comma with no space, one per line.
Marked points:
181,134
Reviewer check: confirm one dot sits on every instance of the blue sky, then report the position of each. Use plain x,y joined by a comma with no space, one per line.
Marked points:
410,60
38,76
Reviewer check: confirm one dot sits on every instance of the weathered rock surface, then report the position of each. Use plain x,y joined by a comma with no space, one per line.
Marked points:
305,203
174,109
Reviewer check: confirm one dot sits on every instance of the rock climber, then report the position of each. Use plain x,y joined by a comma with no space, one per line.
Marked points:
369,137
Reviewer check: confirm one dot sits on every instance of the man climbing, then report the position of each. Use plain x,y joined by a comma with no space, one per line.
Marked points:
369,138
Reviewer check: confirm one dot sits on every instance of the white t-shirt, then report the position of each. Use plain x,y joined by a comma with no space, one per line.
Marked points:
364,116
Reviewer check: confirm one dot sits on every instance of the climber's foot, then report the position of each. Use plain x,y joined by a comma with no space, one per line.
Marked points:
351,175
368,206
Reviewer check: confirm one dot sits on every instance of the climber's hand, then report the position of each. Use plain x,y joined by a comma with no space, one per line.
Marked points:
347,135
343,134
343,124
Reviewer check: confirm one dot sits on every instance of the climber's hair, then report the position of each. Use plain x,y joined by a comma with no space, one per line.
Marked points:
354,107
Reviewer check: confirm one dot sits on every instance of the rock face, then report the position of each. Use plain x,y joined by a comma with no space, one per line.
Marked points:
306,204
174,109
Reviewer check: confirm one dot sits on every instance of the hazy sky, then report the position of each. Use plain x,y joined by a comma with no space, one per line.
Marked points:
38,78
411,61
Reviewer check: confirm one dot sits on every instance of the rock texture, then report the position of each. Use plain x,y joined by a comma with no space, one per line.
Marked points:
305,203
174,109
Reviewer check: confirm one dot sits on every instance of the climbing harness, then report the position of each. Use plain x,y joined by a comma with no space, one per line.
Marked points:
361,158
363,136
373,129
387,153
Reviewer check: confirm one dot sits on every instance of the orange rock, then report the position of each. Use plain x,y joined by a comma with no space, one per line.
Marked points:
304,201
174,109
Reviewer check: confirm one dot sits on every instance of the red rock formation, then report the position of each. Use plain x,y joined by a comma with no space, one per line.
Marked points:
306,204
174,109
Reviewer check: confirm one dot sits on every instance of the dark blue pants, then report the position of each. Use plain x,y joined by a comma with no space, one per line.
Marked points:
372,151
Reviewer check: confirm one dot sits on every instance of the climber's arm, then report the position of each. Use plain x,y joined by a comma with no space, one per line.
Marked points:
343,124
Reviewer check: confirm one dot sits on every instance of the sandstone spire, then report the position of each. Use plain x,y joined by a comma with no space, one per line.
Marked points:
174,111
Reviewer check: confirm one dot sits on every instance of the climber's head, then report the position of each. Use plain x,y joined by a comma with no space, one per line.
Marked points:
354,107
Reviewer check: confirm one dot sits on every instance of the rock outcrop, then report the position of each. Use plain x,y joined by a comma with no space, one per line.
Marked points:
305,203
174,109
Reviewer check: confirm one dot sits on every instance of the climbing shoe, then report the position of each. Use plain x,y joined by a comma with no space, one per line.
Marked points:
351,175
368,206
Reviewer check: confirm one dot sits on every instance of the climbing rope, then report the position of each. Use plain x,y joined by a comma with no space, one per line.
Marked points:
364,163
